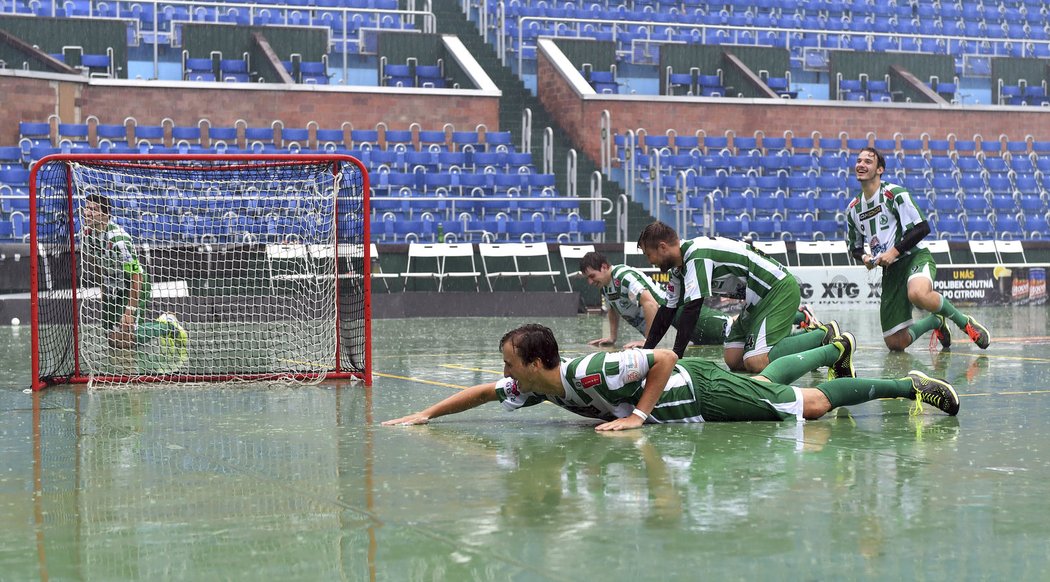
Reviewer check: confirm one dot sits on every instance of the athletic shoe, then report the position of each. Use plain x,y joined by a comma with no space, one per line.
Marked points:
943,333
934,391
831,331
809,319
843,366
978,333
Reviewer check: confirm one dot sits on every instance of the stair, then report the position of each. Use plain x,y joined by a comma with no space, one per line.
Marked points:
516,98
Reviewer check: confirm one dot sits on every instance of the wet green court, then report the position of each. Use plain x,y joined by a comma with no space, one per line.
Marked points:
301,483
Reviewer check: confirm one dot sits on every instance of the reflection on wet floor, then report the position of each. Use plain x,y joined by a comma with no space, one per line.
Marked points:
302,483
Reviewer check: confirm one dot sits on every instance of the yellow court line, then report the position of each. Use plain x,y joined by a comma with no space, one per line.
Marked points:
420,380
1000,357
1010,393
470,369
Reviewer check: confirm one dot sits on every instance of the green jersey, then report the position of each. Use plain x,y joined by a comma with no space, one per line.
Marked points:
722,266
109,259
607,385
623,294
883,219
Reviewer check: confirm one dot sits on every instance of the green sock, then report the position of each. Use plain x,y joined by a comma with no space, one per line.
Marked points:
794,344
919,328
151,329
787,370
948,310
849,391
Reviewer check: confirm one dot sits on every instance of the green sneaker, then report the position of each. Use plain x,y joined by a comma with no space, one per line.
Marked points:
934,391
843,366
943,333
978,333
831,331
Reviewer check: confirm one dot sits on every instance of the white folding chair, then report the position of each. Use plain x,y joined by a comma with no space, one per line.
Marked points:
630,249
775,249
826,250
377,269
1012,249
984,251
440,253
572,252
940,250
514,255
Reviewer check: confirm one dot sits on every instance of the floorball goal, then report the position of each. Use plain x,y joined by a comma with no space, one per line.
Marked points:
199,268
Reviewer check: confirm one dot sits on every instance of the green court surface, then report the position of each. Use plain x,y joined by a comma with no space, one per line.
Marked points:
301,483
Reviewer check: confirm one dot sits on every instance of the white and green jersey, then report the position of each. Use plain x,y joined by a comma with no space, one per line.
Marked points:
108,257
722,266
881,221
623,294
607,385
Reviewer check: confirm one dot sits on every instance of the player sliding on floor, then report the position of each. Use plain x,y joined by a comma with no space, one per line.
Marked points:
630,388
885,217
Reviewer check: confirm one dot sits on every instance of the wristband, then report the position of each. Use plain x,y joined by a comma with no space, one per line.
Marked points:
640,414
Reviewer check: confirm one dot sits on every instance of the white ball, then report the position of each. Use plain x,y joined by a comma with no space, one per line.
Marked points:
15,321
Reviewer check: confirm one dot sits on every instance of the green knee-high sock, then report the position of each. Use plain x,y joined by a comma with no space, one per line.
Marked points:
849,391
794,344
948,310
919,328
148,330
787,370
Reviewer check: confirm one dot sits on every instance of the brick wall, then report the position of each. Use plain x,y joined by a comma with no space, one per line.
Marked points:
580,116
34,99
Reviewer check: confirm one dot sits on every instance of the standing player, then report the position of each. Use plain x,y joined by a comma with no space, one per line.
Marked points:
885,217
634,297
108,256
630,388
706,266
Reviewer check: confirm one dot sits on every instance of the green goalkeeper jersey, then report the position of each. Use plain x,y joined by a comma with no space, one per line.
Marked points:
883,219
722,266
607,385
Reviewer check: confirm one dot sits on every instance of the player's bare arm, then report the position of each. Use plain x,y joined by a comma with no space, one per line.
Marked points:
464,400
655,382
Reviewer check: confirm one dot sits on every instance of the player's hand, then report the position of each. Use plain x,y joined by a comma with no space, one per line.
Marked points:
626,423
411,419
605,341
127,322
633,345
869,262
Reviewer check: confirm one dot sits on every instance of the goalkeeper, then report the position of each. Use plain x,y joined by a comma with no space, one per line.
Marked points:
108,256
634,387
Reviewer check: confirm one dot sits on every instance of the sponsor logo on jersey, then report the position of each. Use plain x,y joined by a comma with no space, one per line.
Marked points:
590,381
871,212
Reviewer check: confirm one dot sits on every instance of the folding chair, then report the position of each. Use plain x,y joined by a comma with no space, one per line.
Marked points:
572,252
514,255
826,250
630,249
440,253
